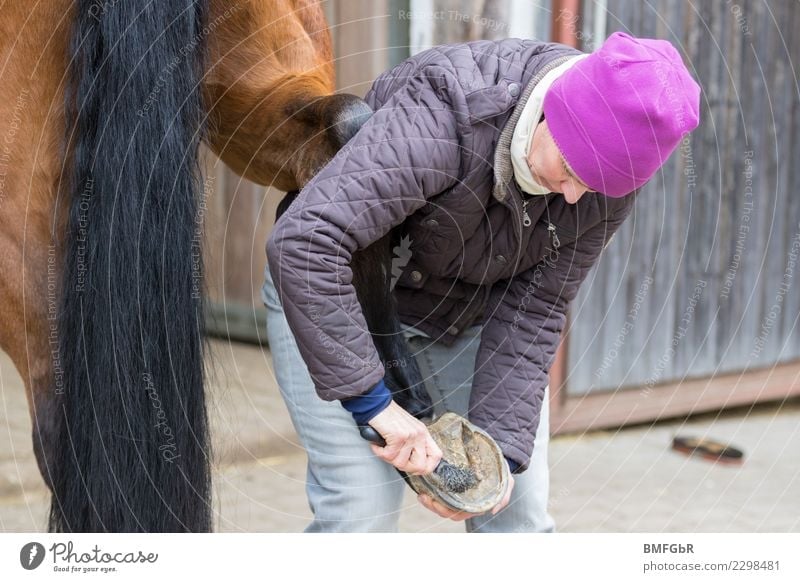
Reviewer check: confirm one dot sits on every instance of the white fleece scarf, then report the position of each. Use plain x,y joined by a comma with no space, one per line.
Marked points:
523,131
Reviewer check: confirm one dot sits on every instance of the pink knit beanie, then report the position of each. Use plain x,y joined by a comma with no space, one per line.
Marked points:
618,114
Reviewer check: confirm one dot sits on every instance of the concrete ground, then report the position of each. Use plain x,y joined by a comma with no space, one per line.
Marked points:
612,481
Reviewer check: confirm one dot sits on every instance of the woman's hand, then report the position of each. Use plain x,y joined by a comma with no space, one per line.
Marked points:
444,511
409,445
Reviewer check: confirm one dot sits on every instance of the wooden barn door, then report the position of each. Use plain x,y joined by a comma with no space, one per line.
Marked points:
695,304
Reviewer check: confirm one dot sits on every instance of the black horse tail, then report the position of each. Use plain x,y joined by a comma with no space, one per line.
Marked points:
134,451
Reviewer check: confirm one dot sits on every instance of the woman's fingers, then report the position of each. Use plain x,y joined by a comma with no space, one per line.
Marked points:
442,510
397,453
506,497
406,455
409,445
433,451
433,456
418,461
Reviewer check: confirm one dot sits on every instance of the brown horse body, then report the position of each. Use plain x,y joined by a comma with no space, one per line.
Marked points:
33,49
272,117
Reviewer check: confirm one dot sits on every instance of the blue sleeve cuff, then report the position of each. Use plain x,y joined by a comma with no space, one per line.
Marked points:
367,406
513,465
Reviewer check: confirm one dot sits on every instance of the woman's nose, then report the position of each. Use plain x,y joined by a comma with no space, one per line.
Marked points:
573,193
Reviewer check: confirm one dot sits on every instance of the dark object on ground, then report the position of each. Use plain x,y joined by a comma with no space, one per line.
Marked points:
453,478
708,449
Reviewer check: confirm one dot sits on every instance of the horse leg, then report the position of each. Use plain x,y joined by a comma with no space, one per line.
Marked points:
372,281
329,121
276,121
43,408
269,90
342,116
24,335
31,121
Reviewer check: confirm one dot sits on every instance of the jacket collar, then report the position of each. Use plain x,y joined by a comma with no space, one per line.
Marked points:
504,183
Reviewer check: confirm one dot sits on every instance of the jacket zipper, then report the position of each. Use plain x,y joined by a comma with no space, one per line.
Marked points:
526,220
552,230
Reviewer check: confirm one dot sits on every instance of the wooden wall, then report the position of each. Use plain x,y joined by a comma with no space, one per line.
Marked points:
702,280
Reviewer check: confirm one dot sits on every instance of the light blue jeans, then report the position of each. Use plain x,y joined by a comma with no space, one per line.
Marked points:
349,489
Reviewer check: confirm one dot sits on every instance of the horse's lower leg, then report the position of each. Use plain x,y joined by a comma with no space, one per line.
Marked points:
41,396
372,281
45,433
339,117
25,331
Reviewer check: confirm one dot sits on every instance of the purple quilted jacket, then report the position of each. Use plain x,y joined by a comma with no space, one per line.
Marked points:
435,159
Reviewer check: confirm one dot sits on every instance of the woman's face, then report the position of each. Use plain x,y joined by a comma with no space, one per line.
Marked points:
549,168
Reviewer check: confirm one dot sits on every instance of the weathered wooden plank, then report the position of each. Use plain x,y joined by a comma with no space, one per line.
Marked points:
678,399
792,202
